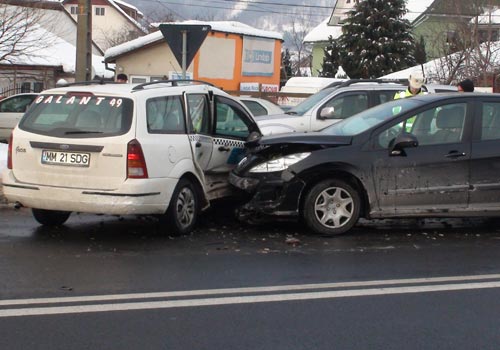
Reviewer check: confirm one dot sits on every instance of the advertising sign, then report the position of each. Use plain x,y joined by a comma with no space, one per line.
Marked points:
258,57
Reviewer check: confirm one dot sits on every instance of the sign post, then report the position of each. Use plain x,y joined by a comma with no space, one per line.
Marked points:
184,40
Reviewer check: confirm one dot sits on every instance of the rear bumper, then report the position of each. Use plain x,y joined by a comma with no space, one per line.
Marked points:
134,196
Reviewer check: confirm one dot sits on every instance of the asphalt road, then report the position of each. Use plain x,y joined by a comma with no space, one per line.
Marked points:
103,282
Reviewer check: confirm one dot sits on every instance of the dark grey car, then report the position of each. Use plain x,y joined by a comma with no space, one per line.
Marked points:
427,156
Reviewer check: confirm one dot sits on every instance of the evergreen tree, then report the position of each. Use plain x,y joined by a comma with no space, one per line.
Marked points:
330,60
376,40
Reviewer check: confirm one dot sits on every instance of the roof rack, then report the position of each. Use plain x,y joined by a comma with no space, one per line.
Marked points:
172,82
339,84
89,82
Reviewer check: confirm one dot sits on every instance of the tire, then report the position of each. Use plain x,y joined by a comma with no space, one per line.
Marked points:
50,217
332,207
183,210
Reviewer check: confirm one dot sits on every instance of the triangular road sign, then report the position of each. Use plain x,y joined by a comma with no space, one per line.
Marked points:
173,34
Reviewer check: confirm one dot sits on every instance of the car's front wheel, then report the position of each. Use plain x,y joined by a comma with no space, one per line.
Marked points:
50,217
332,207
184,209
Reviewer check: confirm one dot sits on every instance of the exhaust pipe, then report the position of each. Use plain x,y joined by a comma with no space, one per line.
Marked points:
18,205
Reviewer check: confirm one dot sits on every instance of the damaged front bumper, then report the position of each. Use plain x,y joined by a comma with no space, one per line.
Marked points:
272,194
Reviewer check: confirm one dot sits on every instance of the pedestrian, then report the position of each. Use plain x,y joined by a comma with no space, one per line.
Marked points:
466,85
121,78
415,82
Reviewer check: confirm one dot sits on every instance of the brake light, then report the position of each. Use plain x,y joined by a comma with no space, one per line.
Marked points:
136,163
9,152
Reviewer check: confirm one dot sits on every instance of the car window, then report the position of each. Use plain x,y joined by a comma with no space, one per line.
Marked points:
199,113
370,118
310,102
437,125
346,105
165,115
78,116
230,119
385,95
255,107
17,104
490,121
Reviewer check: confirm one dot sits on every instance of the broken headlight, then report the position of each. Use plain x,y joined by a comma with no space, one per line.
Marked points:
279,164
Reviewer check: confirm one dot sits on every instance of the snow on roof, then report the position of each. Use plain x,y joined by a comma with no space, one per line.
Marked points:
119,9
54,52
323,31
223,26
416,8
437,68
489,17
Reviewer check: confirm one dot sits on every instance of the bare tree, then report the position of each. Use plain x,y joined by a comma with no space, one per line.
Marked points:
300,26
23,32
470,49
117,37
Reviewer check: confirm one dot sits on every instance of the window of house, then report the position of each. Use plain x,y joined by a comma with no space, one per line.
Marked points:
99,11
73,10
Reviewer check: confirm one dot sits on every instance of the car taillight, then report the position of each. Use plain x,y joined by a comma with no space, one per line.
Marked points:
9,153
136,164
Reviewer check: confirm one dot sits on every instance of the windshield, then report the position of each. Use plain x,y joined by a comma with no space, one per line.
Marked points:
310,102
369,118
78,116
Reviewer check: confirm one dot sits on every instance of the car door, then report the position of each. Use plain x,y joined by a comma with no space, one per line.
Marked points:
199,126
485,157
341,106
431,177
231,129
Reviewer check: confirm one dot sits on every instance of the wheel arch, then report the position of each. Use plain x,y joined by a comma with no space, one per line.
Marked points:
199,187
340,171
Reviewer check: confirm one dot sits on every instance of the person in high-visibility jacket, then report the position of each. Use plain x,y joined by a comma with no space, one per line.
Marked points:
415,82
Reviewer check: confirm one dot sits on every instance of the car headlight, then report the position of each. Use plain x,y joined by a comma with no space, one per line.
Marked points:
279,164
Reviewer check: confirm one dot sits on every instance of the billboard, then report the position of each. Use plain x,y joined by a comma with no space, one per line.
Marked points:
258,57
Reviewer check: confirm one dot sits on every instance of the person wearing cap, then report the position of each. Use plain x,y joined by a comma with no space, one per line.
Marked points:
466,85
415,82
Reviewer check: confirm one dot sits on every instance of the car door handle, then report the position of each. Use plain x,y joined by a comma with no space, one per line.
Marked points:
224,149
455,154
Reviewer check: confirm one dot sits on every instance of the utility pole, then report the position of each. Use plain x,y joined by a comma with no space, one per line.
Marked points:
84,41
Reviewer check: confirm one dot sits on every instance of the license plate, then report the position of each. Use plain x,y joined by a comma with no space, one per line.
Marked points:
66,158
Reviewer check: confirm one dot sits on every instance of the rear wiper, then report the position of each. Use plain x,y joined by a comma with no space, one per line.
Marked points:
82,132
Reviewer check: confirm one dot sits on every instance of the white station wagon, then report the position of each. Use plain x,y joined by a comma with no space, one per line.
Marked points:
159,148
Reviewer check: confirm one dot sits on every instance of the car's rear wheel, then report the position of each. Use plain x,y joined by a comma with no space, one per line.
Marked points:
332,207
184,209
50,217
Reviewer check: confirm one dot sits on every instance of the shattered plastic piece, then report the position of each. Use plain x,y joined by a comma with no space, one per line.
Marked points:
292,241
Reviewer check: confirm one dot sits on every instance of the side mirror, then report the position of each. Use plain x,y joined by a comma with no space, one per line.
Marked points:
327,113
401,142
253,139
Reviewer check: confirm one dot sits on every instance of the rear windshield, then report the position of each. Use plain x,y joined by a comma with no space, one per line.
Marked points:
78,116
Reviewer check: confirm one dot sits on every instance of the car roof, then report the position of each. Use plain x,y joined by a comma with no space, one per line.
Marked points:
125,89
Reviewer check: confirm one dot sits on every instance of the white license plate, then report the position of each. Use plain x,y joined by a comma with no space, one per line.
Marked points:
66,158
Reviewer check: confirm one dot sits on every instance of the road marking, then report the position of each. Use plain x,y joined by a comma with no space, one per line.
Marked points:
245,299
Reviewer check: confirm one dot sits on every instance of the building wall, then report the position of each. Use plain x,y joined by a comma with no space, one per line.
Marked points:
113,24
153,61
219,61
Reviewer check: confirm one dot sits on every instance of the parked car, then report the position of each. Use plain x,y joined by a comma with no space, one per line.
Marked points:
340,100
149,149
12,109
260,106
373,165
